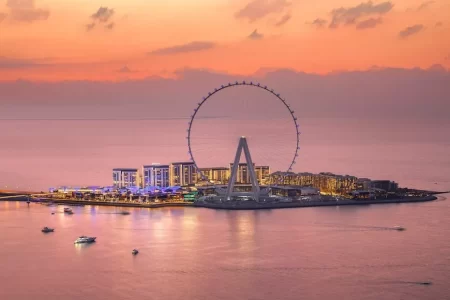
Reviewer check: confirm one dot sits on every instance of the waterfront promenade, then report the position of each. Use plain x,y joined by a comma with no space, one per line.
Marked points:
250,205
231,205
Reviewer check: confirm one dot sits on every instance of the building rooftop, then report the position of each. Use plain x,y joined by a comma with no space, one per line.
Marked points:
182,163
156,166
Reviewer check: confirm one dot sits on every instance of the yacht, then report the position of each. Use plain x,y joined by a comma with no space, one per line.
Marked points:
47,229
135,251
68,210
84,239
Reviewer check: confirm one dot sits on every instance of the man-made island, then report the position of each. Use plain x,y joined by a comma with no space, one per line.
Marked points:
413,196
273,190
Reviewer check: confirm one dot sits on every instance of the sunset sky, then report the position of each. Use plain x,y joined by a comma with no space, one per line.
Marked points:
54,40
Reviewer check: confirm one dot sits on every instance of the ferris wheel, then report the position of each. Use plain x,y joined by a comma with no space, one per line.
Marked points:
291,125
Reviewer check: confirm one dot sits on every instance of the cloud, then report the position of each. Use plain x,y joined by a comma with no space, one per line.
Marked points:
351,15
25,11
439,24
319,23
90,26
103,14
185,48
18,63
258,9
110,26
425,5
255,35
369,23
2,16
411,30
125,69
283,20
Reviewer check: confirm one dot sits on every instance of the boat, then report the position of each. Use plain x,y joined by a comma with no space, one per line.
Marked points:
135,251
84,240
68,210
399,228
47,229
124,213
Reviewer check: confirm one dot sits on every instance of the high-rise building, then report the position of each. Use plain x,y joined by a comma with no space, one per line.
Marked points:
386,185
182,173
325,182
217,175
156,175
262,174
125,177
243,174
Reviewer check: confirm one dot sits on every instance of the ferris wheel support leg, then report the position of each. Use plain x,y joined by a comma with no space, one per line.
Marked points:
255,186
251,168
233,174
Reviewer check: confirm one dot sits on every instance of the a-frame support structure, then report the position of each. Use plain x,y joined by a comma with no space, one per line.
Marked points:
250,167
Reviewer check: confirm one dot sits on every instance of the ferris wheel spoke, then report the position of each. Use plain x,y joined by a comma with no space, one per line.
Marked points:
213,135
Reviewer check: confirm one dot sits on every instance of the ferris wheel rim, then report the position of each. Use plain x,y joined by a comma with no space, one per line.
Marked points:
243,83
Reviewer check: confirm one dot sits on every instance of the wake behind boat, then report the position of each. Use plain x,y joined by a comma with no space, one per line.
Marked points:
84,240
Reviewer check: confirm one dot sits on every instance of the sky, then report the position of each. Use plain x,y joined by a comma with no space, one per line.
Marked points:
368,81
116,40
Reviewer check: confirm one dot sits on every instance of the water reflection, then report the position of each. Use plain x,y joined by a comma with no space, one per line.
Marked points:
81,247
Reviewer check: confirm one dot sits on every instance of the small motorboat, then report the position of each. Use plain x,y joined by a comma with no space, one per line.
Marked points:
53,213
399,228
84,240
124,213
135,251
68,210
47,229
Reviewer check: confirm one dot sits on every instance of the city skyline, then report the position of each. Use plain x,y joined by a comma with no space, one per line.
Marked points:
183,174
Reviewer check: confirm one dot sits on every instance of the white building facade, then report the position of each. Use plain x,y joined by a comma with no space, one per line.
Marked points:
156,175
182,174
125,177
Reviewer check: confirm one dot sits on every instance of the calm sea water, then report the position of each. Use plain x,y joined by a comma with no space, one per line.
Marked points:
38,154
188,253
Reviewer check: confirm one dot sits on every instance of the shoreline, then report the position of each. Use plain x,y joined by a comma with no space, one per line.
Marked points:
228,206
255,205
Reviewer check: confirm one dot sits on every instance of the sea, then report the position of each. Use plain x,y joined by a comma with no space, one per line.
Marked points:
351,252
197,253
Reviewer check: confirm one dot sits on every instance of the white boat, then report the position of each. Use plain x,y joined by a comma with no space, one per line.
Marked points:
84,239
47,229
68,210
135,251
399,228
